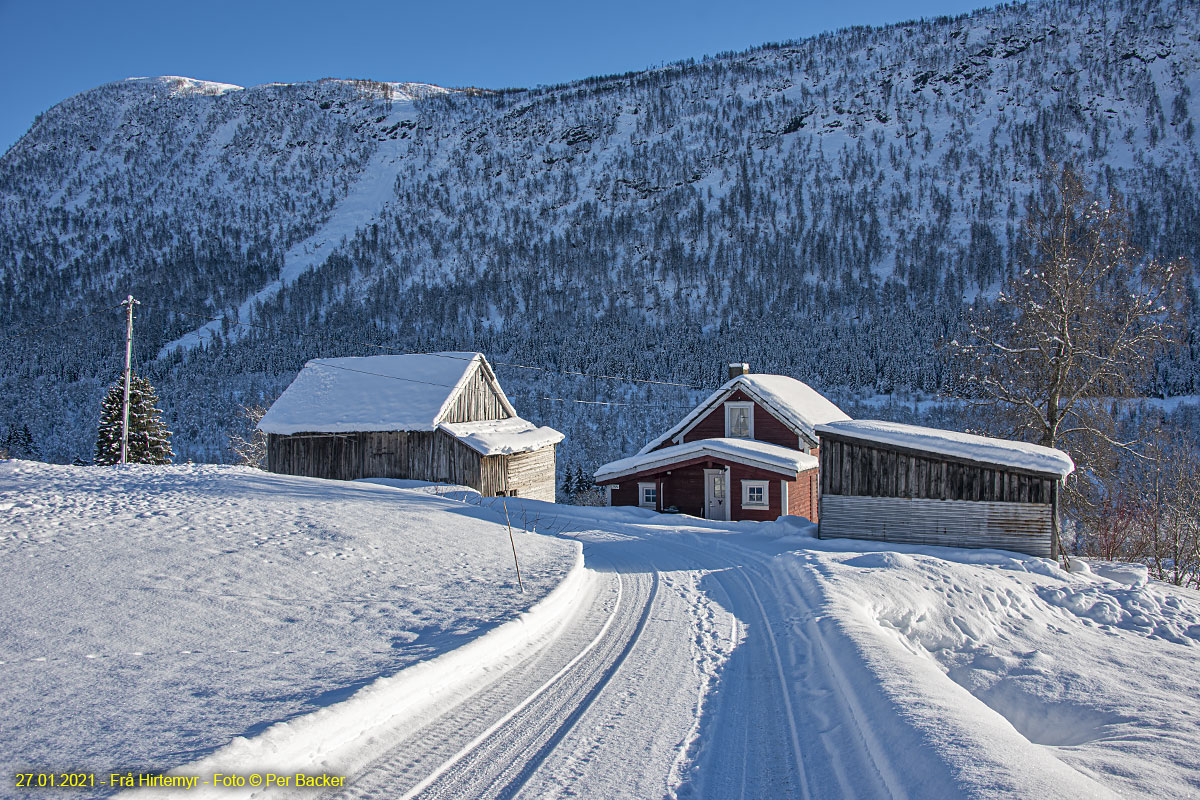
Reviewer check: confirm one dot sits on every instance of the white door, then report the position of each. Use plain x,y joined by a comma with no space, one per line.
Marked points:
716,502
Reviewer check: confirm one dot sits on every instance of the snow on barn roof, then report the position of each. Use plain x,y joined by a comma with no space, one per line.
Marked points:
375,393
794,402
742,451
971,447
502,436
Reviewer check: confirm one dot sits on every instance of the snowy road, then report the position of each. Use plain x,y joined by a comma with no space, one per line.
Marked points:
644,694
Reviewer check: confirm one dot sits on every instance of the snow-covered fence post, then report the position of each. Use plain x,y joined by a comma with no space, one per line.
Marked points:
513,542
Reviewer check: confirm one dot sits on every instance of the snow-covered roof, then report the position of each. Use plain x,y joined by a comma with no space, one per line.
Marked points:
971,447
742,451
375,393
793,402
502,436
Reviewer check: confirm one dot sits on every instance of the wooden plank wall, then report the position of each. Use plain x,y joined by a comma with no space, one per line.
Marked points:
477,401
1021,527
532,474
865,470
419,455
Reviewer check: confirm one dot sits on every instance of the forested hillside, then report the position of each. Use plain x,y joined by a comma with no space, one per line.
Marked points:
822,208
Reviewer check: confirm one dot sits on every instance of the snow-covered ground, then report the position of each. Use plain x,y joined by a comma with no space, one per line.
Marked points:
149,615
689,659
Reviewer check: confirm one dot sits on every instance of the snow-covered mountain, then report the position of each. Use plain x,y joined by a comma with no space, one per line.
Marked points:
821,208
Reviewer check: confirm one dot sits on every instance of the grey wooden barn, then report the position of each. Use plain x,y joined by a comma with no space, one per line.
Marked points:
439,417
903,483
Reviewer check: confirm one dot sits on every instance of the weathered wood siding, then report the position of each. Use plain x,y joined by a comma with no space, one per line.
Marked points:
478,400
1021,527
420,455
532,474
871,470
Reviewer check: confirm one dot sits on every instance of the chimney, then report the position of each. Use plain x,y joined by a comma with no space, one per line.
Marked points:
738,369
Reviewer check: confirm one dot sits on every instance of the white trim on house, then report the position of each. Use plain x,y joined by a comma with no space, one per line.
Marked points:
756,494
783,498
645,487
731,410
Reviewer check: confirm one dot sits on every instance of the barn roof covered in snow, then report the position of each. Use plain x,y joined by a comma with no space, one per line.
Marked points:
376,393
792,402
762,455
968,446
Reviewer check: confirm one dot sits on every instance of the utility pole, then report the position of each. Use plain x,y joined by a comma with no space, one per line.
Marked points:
129,303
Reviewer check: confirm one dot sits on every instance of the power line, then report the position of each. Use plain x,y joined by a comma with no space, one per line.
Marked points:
321,363
389,348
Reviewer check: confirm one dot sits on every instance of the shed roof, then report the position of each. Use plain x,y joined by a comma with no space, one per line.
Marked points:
793,402
971,447
502,436
376,393
752,453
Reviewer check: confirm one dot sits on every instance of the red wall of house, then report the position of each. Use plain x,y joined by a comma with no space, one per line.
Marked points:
766,427
802,495
684,489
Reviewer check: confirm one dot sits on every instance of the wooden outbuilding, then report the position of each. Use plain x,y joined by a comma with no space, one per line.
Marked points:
438,417
748,452
891,482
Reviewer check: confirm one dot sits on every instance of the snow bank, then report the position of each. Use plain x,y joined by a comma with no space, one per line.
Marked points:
150,615
952,443
337,739
1028,680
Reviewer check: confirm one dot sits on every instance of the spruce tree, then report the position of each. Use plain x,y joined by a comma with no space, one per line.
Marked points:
149,439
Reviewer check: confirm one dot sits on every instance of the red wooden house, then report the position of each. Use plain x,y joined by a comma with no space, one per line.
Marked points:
748,452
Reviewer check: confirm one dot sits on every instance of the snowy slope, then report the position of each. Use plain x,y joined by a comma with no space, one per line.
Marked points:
149,615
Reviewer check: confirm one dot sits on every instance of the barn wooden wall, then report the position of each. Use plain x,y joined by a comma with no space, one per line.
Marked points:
532,474
866,470
419,455
892,494
477,401
1021,527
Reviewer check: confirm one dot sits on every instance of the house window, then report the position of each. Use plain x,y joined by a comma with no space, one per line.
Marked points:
739,420
648,495
754,494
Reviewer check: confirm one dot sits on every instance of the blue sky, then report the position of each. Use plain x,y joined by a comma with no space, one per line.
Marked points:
52,50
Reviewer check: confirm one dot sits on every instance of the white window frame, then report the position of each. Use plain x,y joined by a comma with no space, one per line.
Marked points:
736,405
642,487
766,494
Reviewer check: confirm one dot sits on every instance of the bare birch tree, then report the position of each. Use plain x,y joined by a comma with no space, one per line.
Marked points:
1076,327
251,448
